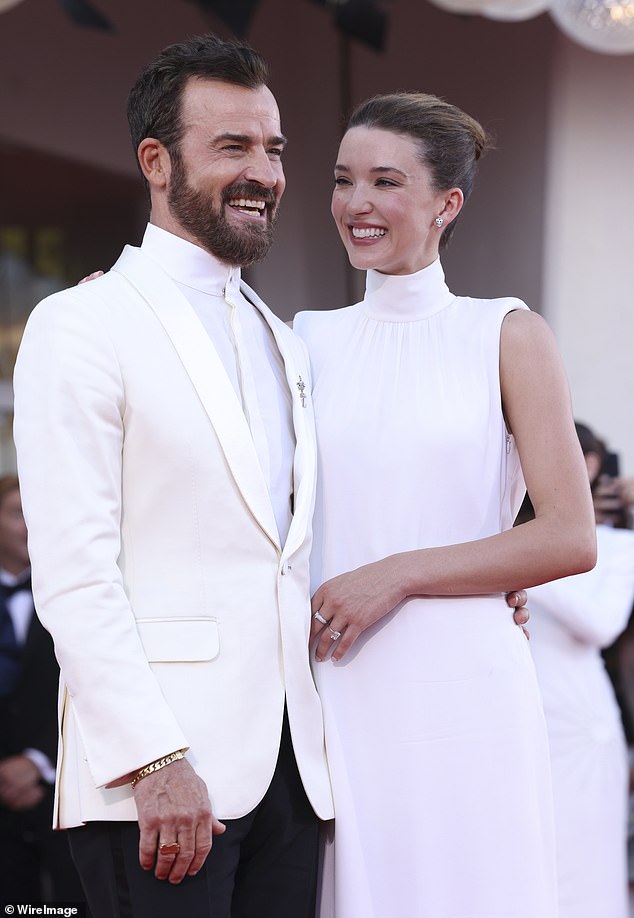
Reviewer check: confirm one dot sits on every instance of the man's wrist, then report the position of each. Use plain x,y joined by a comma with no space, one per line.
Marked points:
157,765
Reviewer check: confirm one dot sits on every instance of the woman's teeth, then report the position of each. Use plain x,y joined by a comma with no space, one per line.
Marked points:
364,232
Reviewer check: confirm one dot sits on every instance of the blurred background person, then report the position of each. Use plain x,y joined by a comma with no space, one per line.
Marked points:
35,862
572,620
626,491
613,495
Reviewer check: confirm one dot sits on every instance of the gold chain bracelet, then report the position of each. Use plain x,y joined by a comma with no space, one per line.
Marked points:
157,765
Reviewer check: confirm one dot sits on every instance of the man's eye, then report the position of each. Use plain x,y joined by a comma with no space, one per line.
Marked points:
276,151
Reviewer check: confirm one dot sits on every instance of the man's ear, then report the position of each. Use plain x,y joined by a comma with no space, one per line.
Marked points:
155,162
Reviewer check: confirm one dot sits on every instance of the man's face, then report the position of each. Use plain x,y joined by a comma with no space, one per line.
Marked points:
226,180
14,555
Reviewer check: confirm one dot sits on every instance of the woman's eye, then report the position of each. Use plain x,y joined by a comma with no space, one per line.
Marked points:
340,180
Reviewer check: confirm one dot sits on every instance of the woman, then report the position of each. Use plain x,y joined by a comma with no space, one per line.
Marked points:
425,403
572,620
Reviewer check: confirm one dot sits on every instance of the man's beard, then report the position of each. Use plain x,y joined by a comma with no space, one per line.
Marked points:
239,246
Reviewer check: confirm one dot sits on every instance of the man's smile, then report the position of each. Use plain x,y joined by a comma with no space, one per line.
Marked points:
248,206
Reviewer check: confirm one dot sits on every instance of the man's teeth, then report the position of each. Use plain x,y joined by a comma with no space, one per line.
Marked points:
253,207
363,232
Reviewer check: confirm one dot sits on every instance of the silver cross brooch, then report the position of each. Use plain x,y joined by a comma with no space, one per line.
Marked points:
301,385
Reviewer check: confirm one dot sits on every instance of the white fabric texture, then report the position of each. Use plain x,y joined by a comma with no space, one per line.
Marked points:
571,620
145,509
247,349
434,726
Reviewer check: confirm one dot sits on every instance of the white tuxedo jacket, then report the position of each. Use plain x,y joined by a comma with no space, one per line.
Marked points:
178,618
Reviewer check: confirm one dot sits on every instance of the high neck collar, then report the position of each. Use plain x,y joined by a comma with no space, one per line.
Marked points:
190,264
406,297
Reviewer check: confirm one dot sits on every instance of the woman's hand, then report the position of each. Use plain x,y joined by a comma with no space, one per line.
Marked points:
346,605
342,608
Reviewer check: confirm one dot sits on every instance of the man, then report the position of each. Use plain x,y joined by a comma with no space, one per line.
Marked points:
167,460
35,862
168,498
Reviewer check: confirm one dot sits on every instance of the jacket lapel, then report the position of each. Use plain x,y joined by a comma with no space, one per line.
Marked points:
305,461
204,367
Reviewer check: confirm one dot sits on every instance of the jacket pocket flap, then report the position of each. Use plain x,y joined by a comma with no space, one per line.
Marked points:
179,640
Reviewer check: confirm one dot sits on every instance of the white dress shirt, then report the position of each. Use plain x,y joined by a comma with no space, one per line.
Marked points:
247,349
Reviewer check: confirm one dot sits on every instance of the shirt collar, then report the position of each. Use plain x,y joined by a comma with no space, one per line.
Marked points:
11,580
189,264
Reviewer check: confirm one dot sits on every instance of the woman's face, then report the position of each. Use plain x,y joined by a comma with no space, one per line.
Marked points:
384,204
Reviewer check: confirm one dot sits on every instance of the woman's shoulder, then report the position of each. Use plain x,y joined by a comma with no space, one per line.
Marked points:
499,306
316,321
318,315
523,327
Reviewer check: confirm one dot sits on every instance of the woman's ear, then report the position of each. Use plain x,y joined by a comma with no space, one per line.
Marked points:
155,162
452,204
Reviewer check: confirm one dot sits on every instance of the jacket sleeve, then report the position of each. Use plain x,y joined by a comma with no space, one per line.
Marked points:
69,430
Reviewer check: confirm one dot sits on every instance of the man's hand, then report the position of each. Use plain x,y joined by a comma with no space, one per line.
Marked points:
607,500
626,490
173,808
93,276
20,787
517,601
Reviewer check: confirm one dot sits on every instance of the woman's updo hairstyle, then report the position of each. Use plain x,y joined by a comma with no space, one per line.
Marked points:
450,141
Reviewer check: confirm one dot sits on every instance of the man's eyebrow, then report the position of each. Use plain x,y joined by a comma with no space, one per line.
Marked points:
341,167
278,140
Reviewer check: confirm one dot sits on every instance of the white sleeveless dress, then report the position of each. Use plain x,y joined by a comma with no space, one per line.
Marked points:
434,726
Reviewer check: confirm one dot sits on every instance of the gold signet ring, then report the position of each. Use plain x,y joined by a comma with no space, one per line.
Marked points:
169,850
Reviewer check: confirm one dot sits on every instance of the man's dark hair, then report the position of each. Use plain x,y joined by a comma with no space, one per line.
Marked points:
154,103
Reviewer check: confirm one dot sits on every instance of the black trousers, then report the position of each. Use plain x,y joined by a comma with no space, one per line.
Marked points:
263,866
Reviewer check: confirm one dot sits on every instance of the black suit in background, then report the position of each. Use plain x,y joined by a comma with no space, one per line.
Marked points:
30,851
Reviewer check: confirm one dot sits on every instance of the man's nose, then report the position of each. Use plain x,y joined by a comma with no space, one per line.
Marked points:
263,170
